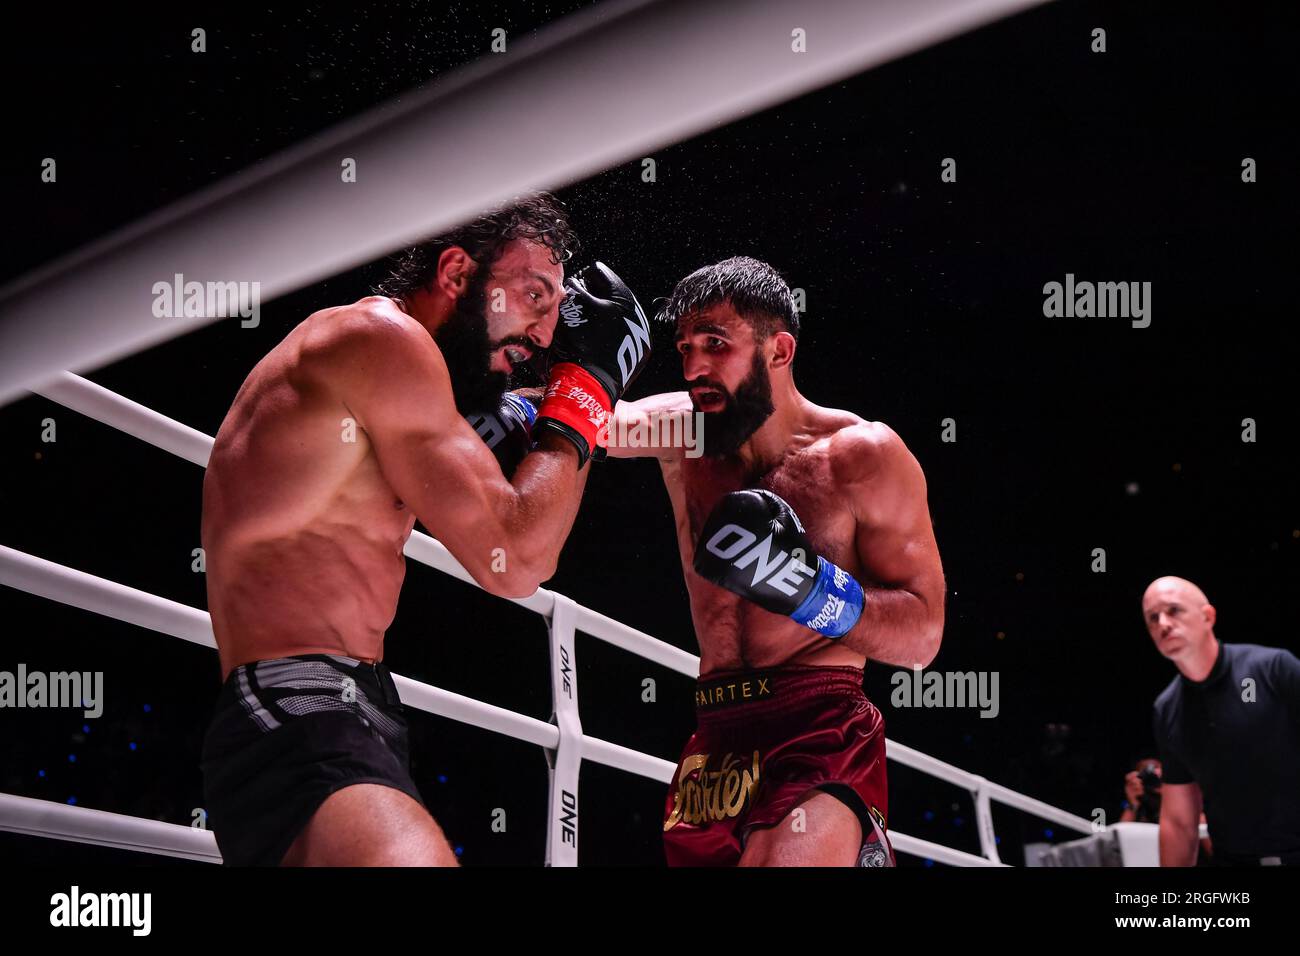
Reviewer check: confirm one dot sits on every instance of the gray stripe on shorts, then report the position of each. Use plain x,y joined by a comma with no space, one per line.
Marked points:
254,706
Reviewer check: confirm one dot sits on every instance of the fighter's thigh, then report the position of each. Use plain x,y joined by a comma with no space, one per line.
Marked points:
369,824
819,831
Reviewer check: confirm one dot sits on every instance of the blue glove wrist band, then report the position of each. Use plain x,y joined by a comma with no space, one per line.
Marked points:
834,604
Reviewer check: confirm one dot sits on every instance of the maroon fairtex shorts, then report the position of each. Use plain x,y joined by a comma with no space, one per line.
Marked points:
763,740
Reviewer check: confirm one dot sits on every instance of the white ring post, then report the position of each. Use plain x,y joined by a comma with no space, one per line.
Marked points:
566,759
984,820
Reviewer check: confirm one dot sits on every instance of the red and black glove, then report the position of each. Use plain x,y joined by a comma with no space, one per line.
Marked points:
601,343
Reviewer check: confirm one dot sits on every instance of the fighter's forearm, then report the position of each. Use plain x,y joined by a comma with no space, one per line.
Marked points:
548,494
896,627
1177,844
656,426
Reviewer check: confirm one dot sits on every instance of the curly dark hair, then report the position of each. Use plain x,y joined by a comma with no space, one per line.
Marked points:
753,288
539,218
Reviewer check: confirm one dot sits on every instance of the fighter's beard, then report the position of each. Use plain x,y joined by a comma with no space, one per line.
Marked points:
725,431
465,346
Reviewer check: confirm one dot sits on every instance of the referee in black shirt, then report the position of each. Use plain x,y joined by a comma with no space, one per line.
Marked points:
1228,731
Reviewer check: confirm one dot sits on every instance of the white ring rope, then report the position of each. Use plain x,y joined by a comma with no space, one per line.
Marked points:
69,586
58,821
46,819
599,88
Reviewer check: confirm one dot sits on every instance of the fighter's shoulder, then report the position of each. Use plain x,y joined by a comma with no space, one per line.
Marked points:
861,451
369,330
1257,655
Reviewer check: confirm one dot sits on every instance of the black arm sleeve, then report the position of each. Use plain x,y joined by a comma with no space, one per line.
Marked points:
1172,768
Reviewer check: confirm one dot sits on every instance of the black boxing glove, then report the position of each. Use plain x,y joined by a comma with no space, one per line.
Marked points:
508,430
753,545
600,345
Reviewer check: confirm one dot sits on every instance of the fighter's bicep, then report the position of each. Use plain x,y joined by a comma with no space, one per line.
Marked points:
395,383
449,479
439,466
1181,803
895,537
897,553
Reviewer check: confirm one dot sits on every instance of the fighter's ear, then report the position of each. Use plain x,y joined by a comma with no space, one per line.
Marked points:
782,346
454,270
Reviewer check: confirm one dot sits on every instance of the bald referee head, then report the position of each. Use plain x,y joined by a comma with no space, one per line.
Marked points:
1180,620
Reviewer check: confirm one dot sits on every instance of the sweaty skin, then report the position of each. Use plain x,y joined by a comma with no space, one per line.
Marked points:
861,498
340,439
858,491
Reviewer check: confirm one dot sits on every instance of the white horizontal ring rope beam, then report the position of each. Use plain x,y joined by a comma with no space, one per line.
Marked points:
615,82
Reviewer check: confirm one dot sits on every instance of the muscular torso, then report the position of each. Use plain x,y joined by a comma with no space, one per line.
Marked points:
302,534
736,634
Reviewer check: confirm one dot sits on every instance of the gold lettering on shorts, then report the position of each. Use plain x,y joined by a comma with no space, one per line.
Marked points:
716,694
706,796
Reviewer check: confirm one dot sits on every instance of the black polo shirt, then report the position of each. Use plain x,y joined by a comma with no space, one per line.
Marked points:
1244,753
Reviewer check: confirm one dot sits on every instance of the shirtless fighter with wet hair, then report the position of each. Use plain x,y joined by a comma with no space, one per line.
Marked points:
343,436
806,542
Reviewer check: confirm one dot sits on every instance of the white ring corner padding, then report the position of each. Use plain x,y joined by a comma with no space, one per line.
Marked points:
599,88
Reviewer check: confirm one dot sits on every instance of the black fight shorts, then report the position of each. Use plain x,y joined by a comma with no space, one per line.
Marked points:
286,734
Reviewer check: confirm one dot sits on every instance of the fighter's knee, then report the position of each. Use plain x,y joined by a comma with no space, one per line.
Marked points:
428,849
409,836
819,830
371,825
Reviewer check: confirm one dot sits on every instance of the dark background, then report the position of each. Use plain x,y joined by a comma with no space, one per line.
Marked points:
924,303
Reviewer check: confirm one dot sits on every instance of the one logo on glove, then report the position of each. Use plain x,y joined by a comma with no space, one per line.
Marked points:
634,345
571,310
489,427
781,572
